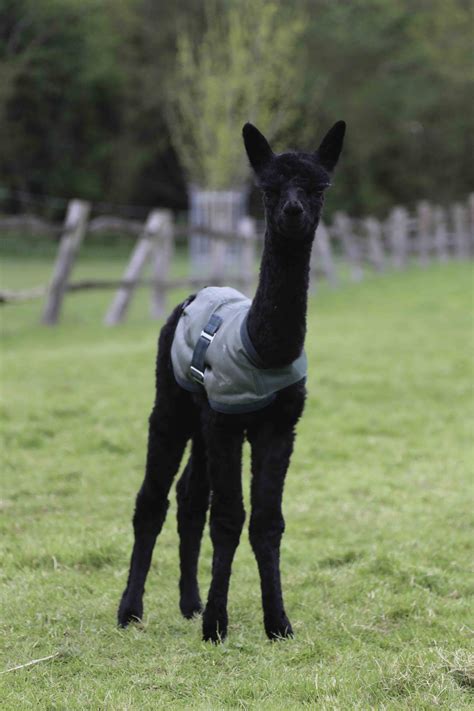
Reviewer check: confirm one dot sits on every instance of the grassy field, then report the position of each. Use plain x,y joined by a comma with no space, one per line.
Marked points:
378,506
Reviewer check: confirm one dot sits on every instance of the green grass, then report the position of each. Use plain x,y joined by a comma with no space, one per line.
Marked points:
378,506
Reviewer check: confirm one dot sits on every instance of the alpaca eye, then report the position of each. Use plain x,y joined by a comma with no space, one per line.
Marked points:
319,190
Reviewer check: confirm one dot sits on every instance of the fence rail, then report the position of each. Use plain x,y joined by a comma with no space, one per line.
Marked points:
348,246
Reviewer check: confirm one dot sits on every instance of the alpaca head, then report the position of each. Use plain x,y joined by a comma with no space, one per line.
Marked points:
293,184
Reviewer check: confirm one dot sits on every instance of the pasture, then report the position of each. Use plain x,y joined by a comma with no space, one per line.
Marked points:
378,508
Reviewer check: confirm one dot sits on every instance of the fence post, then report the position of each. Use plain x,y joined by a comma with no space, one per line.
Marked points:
143,248
375,253
74,230
460,235
321,257
440,234
424,231
162,255
397,226
350,244
217,260
246,228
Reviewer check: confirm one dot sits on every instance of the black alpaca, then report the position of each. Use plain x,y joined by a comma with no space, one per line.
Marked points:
293,186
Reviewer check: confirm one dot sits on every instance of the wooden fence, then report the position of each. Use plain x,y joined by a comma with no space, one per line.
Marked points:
347,248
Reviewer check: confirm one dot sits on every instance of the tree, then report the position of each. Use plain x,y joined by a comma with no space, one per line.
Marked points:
55,116
400,74
246,66
81,99
99,99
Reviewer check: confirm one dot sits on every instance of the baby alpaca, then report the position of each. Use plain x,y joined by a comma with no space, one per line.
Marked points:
241,377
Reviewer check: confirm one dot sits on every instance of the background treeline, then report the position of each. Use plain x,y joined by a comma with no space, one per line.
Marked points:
85,96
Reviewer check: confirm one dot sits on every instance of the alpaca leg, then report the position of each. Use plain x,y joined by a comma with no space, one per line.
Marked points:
193,501
271,451
166,442
227,519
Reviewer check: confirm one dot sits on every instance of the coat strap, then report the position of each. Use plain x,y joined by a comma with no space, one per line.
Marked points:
197,366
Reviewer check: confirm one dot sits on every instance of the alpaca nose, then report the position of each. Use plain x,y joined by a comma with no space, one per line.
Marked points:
293,208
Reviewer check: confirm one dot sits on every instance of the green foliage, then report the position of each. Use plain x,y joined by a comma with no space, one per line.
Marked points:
78,116
91,91
58,80
400,74
376,554
244,67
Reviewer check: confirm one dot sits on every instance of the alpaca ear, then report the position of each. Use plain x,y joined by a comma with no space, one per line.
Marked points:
331,146
257,147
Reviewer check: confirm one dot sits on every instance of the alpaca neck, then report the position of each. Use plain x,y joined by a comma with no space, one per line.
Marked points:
277,317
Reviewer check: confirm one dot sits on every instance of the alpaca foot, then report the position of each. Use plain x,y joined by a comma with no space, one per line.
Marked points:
190,606
129,611
278,626
214,624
